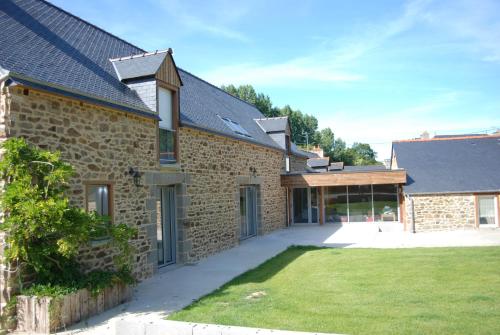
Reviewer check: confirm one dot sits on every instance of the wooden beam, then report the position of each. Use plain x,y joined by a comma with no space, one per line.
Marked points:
344,178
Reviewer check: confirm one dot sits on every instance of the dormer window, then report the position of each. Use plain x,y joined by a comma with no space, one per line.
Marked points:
166,110
235,126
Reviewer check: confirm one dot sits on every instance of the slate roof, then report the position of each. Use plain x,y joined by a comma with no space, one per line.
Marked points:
273,124
42,42
203,105
318,162
144,65
49,48
302,153
450,165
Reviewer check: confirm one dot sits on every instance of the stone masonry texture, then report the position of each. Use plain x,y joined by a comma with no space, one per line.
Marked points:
101,144
213,163
442,212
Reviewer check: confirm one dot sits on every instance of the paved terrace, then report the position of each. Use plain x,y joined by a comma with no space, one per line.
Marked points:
176,287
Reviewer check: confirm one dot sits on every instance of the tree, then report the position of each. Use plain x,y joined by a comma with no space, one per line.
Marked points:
248,94
326,140
364,154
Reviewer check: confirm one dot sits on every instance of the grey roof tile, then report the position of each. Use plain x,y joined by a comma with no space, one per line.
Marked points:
274,124
137,67
203,105
43,42
450,166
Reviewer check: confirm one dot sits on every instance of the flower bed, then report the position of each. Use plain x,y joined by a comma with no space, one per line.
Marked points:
44,315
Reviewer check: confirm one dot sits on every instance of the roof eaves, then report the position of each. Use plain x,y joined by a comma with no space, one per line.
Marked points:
37,84
451,192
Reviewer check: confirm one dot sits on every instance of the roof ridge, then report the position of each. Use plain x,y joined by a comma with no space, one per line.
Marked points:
448,138
90,24
271,118
220,89
143,54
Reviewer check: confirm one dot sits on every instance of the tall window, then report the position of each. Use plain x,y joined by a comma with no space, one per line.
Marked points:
167,131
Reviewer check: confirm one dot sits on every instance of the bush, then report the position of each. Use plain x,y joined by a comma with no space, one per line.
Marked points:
44,232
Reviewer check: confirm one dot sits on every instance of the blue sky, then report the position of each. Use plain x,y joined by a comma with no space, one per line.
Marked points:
373,71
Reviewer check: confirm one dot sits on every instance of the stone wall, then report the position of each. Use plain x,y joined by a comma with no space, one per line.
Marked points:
217,166
101,144
441,212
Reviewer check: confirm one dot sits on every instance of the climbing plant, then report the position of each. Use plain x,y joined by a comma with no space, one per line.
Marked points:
44,231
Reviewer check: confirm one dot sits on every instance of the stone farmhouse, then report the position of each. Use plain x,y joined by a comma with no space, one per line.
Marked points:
195,169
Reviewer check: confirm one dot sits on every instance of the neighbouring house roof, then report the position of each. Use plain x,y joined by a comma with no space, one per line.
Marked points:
296,151
51,49
450,165
318,162
273,124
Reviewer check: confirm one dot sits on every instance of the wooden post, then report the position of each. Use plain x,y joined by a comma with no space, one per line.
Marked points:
321,206
289,206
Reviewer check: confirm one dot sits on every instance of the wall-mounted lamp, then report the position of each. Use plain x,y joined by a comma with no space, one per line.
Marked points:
134,173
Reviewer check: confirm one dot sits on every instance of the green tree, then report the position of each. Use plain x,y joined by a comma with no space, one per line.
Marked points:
248,94
326,140
364,154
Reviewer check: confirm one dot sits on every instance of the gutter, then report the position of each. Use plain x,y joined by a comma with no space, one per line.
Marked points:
71,93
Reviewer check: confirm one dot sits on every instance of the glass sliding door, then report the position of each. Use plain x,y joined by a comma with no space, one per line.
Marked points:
385,202
487,210
314,205
166,234
305,205
248,211
360,203
336,204
300,205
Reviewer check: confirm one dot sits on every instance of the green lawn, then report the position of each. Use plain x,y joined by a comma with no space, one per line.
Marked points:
363,291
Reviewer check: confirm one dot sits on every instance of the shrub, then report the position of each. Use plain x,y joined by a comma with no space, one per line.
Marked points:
44,232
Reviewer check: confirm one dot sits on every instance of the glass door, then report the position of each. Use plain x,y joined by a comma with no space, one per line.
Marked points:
248,211
305,205
300,205
166,235
487,210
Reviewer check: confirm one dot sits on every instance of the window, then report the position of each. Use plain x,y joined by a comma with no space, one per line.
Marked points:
99,201
235,126
487,210
385,202
167,129
336,206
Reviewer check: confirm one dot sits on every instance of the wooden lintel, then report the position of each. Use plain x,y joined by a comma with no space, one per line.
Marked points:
344,178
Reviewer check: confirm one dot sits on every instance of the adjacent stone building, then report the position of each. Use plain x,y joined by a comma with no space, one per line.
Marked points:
453,182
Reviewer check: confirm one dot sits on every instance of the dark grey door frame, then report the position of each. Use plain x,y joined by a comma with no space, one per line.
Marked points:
167,246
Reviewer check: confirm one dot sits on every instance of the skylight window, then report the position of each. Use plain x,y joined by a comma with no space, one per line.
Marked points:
235,126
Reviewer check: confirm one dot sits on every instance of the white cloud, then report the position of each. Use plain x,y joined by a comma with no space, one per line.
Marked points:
332,65
214,19
475,23
380,128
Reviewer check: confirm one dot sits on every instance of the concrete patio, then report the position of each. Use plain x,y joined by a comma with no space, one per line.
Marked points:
176,287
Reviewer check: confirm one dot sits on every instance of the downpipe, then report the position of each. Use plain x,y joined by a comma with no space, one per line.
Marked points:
412,206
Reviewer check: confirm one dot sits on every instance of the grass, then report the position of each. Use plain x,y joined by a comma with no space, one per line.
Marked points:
362,291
